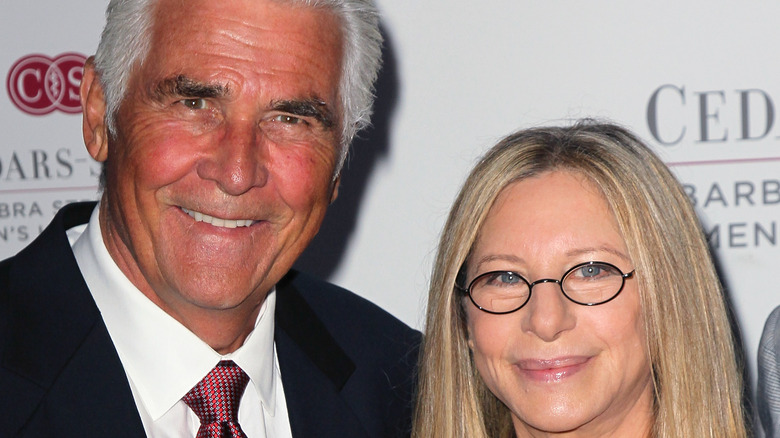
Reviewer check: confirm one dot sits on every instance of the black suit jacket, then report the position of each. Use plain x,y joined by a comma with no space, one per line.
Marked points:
347,366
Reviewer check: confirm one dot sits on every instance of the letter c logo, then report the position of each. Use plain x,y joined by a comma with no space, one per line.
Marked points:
39,85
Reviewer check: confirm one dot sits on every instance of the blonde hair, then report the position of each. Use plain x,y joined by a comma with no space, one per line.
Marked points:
696,373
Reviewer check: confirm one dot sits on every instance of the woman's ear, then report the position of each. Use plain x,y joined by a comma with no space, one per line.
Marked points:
469,336
93,107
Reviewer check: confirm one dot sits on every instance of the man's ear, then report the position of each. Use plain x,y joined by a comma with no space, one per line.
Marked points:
93,107
335,191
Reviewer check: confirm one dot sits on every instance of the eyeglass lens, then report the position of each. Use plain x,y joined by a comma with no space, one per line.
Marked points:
587,284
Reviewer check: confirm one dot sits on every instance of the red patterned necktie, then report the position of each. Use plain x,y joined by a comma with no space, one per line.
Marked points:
215,401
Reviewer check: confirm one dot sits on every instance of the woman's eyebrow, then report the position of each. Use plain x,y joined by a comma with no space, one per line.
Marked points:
512,259
603,248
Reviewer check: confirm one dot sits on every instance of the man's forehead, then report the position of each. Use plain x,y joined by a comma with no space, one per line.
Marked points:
194,8
290,33
231,23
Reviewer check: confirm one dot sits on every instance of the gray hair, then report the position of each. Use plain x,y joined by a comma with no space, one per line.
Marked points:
126,40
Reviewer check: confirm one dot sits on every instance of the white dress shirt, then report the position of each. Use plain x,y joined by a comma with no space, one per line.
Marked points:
163,360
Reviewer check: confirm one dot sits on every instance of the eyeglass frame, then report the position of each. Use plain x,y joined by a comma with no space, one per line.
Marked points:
624,277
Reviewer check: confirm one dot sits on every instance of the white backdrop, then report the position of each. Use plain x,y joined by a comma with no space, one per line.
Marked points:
697,80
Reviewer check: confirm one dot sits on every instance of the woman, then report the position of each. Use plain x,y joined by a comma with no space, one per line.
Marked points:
574,295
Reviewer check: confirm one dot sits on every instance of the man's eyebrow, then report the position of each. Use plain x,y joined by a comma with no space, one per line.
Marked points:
186,87
312,107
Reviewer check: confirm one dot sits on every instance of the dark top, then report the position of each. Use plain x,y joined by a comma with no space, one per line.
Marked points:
347,366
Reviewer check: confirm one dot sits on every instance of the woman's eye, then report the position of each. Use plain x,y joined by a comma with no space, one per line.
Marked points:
501,278
590,271
595,271
194,104
509,277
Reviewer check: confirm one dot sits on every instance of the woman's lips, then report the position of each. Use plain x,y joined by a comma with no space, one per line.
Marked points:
552,370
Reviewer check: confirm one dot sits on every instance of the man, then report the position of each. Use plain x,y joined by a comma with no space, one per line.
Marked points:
222,126
769,376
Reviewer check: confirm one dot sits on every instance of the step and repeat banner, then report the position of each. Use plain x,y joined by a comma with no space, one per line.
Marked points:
697,80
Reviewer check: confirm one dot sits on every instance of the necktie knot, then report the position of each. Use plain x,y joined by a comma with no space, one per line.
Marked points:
215,401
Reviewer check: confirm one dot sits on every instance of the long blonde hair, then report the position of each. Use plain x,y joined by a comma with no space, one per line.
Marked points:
696,372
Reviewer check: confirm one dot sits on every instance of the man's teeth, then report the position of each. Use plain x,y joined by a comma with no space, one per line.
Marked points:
218,222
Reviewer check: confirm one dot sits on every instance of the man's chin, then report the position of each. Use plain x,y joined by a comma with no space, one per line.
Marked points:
227,298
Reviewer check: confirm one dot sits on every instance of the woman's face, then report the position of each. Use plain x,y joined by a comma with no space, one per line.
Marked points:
557,365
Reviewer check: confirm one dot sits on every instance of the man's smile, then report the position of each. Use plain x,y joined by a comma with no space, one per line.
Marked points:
218,222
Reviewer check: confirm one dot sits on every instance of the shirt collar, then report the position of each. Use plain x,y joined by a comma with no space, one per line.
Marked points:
162,358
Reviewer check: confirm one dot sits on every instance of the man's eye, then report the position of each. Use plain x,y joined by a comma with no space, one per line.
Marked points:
194,104
288,119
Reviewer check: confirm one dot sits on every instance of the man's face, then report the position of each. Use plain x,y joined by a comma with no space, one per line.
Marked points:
226,145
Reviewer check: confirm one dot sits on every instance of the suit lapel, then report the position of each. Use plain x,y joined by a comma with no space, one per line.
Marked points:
314,369
60,357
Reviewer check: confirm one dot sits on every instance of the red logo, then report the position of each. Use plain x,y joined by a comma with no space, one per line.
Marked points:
39,85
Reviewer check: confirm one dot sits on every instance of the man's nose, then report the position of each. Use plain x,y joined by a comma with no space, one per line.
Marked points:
239,159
